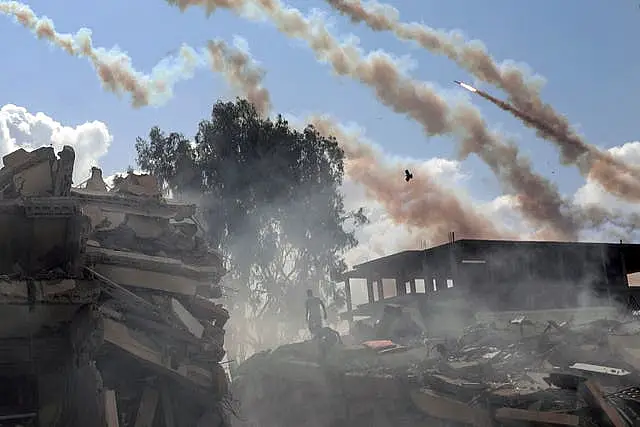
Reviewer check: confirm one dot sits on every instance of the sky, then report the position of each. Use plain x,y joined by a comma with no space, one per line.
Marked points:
583,50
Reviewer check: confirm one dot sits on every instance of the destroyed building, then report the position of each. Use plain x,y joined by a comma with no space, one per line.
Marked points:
107,302
506,334
499,275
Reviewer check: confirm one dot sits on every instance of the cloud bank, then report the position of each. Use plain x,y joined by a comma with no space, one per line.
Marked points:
20,128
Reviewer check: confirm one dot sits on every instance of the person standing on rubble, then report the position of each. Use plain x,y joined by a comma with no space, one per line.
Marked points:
315,309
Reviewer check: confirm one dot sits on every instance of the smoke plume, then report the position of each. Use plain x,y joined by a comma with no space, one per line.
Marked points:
624,183
613,174
114,67
421,204
542,205
238,68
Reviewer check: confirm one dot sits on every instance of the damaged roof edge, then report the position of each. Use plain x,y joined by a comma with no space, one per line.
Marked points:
413,259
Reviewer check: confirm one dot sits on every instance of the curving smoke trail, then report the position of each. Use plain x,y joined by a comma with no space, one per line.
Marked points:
236,66
538,198
423,204
239,70
113,67
615,176
541,204
116,73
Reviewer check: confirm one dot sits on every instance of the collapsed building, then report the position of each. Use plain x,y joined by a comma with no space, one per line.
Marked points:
107,301
469,333
499,276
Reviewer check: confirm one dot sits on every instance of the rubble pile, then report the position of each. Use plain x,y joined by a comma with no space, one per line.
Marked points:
109,301
520,373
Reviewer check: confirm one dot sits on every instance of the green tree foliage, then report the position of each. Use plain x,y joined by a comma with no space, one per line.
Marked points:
270,199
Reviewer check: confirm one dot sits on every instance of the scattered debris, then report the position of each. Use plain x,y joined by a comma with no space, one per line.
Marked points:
571,374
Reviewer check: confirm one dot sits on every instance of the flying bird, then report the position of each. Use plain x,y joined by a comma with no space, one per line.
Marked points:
408,176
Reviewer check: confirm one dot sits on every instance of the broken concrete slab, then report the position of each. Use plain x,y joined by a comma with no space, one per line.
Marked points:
594,395
448,409
537,417
190,322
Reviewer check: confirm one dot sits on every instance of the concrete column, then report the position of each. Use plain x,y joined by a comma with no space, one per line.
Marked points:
370,290
347,294
380,289
412,286
401,286
111,408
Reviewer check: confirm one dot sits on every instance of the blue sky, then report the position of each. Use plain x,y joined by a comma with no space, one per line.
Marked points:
585,49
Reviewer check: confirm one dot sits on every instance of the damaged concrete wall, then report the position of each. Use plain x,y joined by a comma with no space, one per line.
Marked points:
119,280
147,244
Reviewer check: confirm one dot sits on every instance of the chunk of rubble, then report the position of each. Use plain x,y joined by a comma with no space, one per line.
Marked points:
105,301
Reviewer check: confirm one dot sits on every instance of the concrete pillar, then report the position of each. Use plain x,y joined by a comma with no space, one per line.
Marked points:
347,294
370,290
412,286
401,286
380,289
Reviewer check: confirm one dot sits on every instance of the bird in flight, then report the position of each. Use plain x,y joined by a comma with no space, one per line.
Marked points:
408,176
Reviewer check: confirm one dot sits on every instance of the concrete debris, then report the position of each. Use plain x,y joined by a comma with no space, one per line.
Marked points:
107,310
547,373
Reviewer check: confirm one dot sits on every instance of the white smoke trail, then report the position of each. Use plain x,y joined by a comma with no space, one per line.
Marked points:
115,70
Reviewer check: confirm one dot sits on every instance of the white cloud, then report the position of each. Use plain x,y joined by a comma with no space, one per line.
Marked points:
593,193
382,236
21,129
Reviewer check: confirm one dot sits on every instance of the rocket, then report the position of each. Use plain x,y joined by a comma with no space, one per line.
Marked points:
505,106
466,86
525,117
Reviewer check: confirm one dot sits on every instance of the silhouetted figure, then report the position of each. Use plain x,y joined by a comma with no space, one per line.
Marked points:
315,310
408,176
